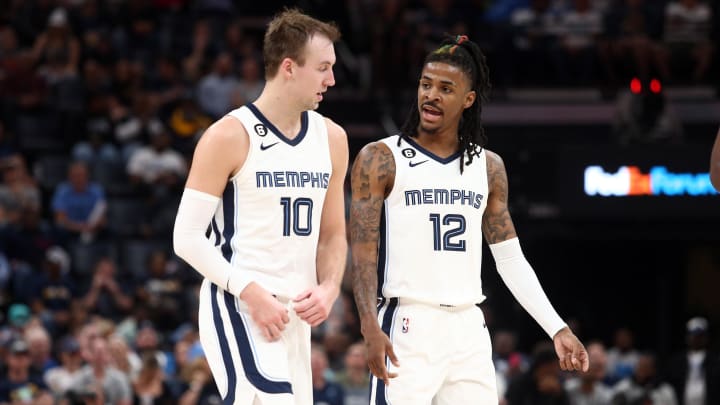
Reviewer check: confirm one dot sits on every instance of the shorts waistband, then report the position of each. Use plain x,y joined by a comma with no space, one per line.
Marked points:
446,307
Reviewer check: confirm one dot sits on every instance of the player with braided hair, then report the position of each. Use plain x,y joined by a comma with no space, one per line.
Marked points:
415,224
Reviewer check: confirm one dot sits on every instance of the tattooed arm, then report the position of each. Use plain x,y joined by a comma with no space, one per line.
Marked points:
497,225
517,273
372,178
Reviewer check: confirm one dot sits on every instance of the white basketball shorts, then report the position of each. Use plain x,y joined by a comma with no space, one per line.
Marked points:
444,352
248,369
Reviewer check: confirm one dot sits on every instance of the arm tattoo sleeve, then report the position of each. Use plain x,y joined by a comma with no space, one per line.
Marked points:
497,223
371,177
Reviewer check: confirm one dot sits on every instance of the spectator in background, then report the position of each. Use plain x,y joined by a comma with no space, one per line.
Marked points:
622,356
541,384
199,387
686,39
187,122
59,379
162,291
18,318
150,386
123,357
164,85
158,171
579,30
251,82
354,378
694,372
133,126
215,90
644,386
40,345
21,87
19,191
325,392
157,165
55,291
56,50
509,362
107,296
79,205
147,341
534,40
18,385
632,28
588,388
201,50
99,379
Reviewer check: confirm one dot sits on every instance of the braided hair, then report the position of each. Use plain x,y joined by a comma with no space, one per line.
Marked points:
464,54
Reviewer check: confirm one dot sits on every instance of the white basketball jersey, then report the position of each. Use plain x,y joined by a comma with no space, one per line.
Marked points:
431,228
269,219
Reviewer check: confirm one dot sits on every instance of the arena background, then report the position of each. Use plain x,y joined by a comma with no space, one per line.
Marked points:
648,262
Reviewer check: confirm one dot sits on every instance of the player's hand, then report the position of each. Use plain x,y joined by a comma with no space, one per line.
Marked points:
378,346
313,306
571,353
269,314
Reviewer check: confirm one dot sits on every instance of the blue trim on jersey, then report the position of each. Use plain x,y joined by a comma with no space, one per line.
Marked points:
280,135
430,154
224,347
382,253
215,231
247,356
385,326
228,202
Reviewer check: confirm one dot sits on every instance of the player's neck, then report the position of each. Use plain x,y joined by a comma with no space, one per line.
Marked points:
280,111
443,144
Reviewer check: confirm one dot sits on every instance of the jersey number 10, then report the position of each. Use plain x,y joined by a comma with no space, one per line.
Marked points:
444,241
293,214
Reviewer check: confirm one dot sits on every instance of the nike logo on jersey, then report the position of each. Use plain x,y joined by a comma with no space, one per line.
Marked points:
263,146
413,164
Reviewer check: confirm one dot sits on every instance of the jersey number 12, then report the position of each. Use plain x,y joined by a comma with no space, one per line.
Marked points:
444,241
293,214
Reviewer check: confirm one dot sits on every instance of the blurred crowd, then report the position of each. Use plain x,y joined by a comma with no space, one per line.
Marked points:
101,103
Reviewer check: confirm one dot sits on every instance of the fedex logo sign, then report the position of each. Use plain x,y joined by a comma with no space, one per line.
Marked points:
630,180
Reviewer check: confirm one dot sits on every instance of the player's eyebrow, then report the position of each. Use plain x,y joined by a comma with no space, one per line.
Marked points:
450,82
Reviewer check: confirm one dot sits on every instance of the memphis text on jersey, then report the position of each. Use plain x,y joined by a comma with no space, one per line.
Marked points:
292,179
443,196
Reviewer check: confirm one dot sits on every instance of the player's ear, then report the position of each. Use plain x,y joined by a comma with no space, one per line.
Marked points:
287,67
470,97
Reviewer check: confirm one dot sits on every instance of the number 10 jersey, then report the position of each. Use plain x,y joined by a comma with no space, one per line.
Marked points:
269,219
431,238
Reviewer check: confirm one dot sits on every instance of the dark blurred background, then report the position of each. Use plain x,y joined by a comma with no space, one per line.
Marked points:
101,103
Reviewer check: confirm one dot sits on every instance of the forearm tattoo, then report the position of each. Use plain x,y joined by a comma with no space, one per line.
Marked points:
372,174
497,223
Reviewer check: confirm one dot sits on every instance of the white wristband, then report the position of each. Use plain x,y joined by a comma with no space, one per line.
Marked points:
520,278
189,242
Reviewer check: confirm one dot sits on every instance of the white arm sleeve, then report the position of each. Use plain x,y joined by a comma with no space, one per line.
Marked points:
189,241
520,278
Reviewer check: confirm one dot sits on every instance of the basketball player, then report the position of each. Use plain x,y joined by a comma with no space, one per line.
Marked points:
266,187
419,202
715,163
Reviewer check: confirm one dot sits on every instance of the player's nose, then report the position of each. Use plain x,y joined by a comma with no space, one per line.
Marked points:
330,79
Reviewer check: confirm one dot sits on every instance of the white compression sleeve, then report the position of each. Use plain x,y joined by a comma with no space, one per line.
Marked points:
520,278
193,217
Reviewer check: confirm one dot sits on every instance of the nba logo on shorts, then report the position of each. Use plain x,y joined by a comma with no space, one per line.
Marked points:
405,325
